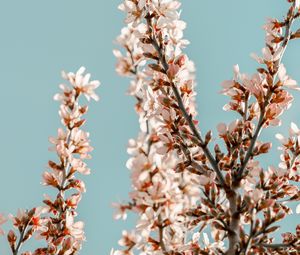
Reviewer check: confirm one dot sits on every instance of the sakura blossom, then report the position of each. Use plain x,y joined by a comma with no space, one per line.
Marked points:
186,184
193,192
2,221
54,222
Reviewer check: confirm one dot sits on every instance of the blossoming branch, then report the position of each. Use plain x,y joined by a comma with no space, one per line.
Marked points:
182,188
55,221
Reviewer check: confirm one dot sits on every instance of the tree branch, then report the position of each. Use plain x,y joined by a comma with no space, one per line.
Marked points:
181,106
21,239
161,236
275,246
261,118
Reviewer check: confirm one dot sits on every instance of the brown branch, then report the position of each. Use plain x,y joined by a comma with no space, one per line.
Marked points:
185,150
21,239
181,106
261,118
248,244
275,246
233,231
161,236
65,171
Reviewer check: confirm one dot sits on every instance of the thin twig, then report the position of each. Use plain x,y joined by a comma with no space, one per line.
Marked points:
21,239
187,117
261,118
161,236
275,246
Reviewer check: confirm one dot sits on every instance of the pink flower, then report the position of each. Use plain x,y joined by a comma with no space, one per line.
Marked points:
19,219
256,195
294,130
134,10
37,222
73,200
271,27
214,246
51,179
271,57
121,211
75,229
206,179
82,83
79,143
297,4
3,219
67,96
146,222
298,209
60,143
167,8
69,117
128,239
80,166
79,185
222,129
285,79
173,71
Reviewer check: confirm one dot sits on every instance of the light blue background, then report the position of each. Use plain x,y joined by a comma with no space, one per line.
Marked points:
40,38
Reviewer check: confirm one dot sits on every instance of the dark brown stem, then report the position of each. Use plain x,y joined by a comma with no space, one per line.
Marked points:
21,239
185,151
252,143
161,236
188,117
67,166
275,246
261,117
248,244
234,226
233,235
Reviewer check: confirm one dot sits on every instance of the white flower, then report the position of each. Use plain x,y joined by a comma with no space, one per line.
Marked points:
294,130
285,79
121,211
297,4
82,83
80,166
128,239
2,221
256,195
75,229
135,11
281,138
146,221
271,57
222,129
215,246
298,209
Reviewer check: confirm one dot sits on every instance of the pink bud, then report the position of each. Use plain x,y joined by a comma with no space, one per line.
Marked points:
173,70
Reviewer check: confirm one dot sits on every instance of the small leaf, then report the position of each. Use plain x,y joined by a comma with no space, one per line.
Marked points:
271,229
146,40
12,238
208,137
149,55
157,68
296,34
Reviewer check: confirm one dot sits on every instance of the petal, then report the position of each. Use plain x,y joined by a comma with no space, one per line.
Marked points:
222,128
80,71
298,209
294,129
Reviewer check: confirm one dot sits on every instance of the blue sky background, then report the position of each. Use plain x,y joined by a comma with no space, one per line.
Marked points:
40,38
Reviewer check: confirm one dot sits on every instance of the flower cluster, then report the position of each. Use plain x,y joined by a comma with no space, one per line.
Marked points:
163,192
180,187
55,221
